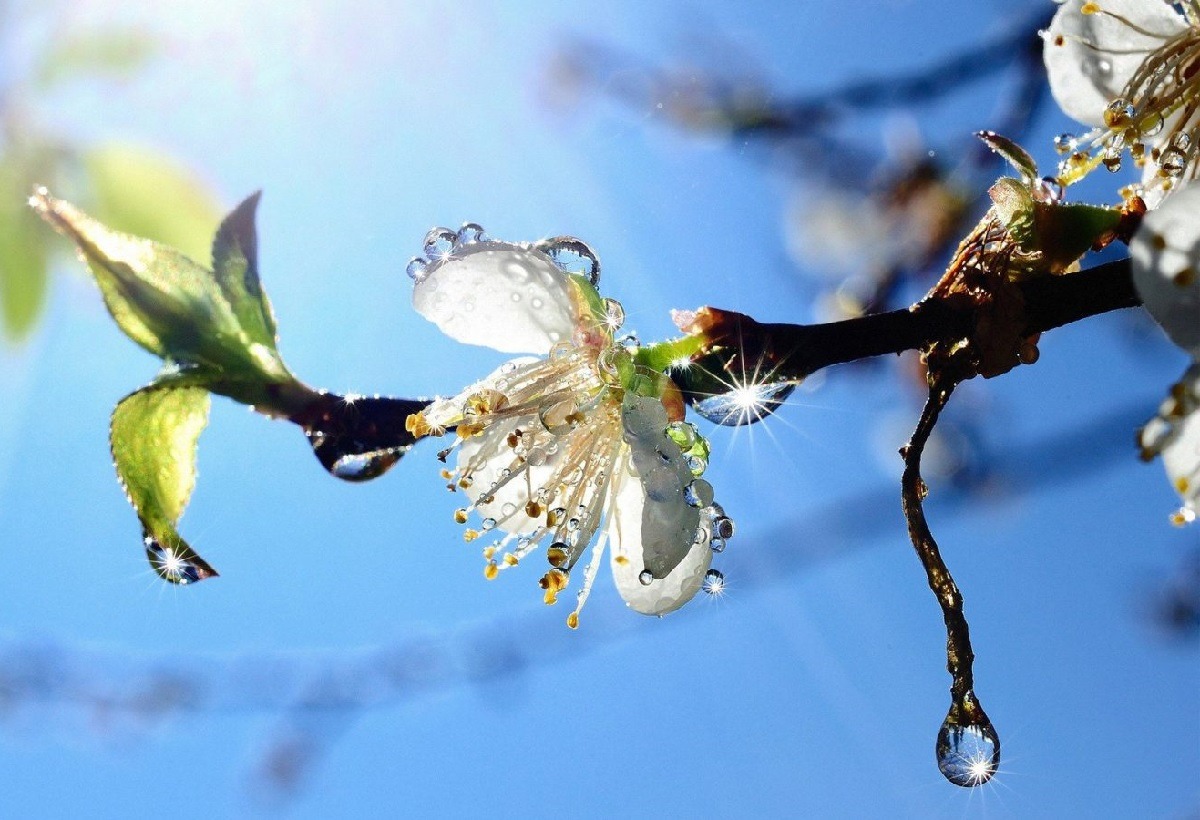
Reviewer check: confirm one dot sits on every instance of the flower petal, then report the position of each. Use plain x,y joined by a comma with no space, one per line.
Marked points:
1090,57
1166,266
1181,456
653,527
499,295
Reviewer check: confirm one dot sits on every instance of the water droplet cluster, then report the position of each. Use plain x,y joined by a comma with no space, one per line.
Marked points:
1154,121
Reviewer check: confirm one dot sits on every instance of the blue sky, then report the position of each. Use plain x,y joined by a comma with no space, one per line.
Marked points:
815,687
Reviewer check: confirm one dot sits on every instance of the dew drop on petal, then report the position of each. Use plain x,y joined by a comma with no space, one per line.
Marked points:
573,256
745,405
714,582
698,493
968,755
717,544
439,243
645,577
723,528
470,232
614,314
416,268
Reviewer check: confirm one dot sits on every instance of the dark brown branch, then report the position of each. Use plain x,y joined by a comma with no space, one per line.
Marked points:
793,352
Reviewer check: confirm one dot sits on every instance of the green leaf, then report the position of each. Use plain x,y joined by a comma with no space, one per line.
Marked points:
153,438
235,266
106,53
22,256
141,192
1015,155
163,300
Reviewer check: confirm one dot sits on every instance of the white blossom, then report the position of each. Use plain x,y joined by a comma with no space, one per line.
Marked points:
1131,68
576,447
1165,254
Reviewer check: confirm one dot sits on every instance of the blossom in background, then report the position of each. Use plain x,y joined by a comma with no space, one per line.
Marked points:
1131,69
582,447
1165,255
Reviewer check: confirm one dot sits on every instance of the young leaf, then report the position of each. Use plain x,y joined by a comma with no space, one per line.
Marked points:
1013,154
235,267
153,439
163,300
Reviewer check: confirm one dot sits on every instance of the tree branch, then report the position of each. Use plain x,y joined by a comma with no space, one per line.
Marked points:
788,352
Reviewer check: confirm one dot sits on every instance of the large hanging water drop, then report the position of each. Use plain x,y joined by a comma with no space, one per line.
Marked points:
968,755
358,438
573,256
746,404
177,565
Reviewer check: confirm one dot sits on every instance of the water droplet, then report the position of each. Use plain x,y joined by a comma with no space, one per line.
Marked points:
968,755
1097,68
1112,161
470,232
363,466
722,527
1066,143
745,405
516,297
1153,127
645,577
698,493
682,433
614,314
717,544
558,554
1172,163
489,524
714,582
416,268
439,243
573,256
1181,141
697,464
1048,189
1118,113
178,566
631,343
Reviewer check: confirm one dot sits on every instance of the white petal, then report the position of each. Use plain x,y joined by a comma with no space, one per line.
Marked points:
1181,459
1086,78
653,527
498,295
1178,425
1166,266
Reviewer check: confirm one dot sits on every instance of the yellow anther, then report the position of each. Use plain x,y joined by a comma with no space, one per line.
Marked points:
621,559
533,509
573,620
553,582
490,571
489,553
460,516
511,559
470,535
1089,8
446,474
